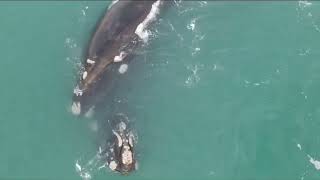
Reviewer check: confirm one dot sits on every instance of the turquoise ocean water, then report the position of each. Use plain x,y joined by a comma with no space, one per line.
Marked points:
223,90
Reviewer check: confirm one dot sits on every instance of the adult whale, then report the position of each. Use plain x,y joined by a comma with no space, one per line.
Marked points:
122,29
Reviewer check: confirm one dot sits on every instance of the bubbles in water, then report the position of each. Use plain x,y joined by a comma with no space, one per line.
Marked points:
304,4
70,43
194,78
195,51
260,83
304,52
305,14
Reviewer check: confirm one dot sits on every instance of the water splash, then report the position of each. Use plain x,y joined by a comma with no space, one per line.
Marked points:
304,4
305,14
315,162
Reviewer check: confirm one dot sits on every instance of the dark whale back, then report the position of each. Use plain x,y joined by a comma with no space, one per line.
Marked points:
115,21
114,35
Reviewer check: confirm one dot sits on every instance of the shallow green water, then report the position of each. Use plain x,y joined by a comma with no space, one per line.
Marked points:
224,90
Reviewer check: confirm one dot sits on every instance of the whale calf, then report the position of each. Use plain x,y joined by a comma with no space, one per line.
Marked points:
121,155
120,31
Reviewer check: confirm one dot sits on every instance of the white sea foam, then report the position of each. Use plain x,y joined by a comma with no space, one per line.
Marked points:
192,24
304,4
315,162
194,78
83,174
90,167
299,146
141,28
195,51
78,167
203,3
83,12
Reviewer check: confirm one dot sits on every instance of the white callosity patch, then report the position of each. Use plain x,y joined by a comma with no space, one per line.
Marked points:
118,137
113,165
141,28
76,108
316,163
123,68
84,75
131,137
120,57
127,155
89,61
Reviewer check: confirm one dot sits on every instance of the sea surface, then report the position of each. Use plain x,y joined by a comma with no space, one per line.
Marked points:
222,90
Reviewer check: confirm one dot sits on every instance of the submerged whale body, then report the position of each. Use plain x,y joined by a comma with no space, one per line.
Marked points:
122,29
